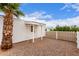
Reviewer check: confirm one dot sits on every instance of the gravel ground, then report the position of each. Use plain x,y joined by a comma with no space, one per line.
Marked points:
45,47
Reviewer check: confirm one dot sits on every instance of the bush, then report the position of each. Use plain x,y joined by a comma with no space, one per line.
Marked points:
65,28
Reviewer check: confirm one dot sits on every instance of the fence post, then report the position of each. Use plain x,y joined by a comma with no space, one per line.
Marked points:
77,39
56,34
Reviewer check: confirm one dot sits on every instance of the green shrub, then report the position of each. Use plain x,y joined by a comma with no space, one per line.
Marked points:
65,28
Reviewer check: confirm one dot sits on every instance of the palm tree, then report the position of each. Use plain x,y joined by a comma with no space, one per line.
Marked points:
10,10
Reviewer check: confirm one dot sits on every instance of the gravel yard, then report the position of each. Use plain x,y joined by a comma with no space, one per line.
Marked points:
45,47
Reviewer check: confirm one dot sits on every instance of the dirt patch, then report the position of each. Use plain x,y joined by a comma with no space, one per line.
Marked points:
45,47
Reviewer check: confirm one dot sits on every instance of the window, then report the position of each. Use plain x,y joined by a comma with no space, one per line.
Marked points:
31,28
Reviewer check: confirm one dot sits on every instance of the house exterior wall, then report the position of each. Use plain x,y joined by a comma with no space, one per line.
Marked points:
22,32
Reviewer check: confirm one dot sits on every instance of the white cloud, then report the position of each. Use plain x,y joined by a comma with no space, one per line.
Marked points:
37,16
40,15
63,22
65,6
47,16
71,5
53,22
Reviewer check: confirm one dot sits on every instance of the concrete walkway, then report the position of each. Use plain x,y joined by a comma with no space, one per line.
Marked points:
46,47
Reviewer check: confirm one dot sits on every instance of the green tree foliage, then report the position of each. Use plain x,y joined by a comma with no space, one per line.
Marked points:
65,28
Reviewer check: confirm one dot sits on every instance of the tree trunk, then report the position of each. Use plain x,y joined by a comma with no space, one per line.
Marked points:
7,30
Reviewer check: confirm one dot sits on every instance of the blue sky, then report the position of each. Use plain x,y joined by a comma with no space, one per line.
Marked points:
52,14
53,9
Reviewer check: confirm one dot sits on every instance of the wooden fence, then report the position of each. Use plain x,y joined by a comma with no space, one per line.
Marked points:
62,35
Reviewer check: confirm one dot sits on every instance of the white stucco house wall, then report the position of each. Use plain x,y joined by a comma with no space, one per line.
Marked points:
25,30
